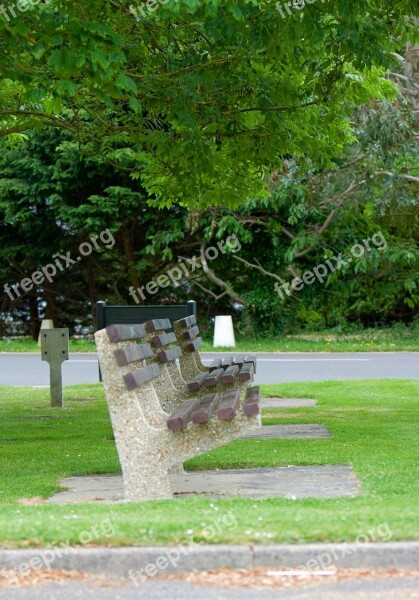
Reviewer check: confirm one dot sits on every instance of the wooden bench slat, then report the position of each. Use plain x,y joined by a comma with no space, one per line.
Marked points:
186,322
129,354
251,409
182,415
190,334
157,325
216,364
213,378
194,345
138,377
228,407
246,372
251,402
253,359
239,360
253,391
123,333
168,355
230,374
205,410
242,360
163,340
227,362
197,382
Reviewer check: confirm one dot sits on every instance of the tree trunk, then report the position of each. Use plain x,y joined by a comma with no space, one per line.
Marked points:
91,282
34,314
51,308
129,258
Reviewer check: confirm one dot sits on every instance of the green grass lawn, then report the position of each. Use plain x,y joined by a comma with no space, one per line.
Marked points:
368,340
374,426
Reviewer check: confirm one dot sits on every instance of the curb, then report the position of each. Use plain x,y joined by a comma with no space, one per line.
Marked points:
122,561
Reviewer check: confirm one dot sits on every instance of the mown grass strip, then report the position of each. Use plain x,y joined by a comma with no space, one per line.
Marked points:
375,429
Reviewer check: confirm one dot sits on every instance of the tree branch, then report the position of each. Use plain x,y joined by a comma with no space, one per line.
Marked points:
213,277
409,178
32,113
268,108
320,230
259,267
209,291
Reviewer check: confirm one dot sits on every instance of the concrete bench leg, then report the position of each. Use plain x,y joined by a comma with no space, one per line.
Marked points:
146,482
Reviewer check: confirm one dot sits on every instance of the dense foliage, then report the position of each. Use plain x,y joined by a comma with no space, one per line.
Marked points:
197,98
198,121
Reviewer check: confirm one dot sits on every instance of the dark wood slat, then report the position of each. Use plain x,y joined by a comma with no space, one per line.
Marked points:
163,340
246,372
191,333
166,356
203,413
227,362
251,402
239,361
242,360
138,377
129,354
251,408
157,325
197,382
213,378
253,392
182,415
123,333
253,359
230,374
228,406
216,364
193,346
186,322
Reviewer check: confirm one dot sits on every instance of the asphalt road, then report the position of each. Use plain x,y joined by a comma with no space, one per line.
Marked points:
385,588
29,370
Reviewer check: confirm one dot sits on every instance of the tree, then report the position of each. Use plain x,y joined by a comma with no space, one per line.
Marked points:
200,100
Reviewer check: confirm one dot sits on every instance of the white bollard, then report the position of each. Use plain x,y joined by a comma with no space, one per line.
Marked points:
224,332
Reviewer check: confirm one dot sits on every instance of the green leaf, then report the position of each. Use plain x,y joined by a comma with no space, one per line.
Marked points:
65,86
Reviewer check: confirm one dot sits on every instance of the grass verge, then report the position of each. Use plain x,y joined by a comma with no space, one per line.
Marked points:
374,426
394,339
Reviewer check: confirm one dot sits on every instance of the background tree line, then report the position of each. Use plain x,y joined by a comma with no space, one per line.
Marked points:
209,118
55,192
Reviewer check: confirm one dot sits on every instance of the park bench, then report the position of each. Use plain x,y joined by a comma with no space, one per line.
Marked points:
157,421
238,369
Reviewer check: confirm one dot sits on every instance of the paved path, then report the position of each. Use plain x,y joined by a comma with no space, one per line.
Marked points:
28,369
329,481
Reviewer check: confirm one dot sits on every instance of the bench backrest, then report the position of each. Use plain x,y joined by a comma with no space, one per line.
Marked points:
188,334
126,355
151,343
131,315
